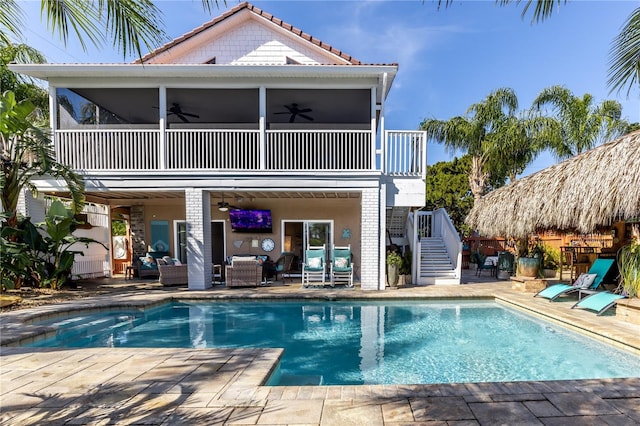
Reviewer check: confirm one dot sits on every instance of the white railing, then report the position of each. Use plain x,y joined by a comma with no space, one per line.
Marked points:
319,150
405,153
213,149
443,228
436,224
108,149
229,149
90,267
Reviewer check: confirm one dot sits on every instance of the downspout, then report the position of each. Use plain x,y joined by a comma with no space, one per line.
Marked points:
262,100
162,102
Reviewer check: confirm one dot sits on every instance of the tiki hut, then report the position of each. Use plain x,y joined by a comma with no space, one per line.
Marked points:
595,188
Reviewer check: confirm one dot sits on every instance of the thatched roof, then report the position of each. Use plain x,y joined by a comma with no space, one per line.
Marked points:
595,188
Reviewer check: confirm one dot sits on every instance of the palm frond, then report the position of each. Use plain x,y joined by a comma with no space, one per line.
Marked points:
624,62
132,23
77,15
11,20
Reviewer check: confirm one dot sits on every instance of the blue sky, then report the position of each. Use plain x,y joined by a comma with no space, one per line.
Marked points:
449,58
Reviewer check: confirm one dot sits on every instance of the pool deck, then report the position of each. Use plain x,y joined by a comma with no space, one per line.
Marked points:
211,386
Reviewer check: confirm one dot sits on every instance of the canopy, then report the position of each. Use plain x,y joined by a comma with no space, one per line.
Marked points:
595,188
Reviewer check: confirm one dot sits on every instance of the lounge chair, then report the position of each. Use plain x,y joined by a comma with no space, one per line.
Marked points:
341,268
600,268
314,269
600,302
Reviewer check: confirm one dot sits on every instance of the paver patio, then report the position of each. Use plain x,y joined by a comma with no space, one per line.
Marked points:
224,386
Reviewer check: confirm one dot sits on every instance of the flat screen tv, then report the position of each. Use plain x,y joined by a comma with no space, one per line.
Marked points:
243,220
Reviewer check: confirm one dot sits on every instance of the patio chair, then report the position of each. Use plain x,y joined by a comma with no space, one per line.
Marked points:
601,301
341,268
243,272
482,266
282,266
314,269
600,268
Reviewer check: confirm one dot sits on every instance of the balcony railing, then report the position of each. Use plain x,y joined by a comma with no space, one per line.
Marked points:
132,150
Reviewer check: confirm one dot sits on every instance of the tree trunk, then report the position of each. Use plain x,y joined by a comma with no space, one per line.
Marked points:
477,177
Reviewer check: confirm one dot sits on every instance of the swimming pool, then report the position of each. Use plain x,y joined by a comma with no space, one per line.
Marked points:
363,342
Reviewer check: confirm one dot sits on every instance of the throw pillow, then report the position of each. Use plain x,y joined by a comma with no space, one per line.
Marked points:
341,262
579,280
168,260
177,262
314,262
588,280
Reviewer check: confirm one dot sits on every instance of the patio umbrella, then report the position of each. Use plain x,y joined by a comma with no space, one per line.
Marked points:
595,188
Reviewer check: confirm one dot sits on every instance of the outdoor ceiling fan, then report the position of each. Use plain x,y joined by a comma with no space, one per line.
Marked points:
176,109
295,111
223,206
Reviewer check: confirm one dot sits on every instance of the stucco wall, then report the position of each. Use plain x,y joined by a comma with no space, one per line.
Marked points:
345,214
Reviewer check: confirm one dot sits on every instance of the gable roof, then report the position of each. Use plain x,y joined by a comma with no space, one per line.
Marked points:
348,59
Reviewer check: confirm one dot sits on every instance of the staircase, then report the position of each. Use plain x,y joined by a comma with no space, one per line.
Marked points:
436,266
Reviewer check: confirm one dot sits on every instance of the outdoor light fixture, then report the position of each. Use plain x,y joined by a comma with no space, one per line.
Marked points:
222,205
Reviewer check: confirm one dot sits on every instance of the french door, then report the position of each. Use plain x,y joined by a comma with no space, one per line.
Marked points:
217,241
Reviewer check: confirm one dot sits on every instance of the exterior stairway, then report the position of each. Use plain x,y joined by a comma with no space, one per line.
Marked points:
436,266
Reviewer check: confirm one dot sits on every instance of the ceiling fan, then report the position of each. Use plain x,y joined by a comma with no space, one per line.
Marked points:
223,206
295,111
176,110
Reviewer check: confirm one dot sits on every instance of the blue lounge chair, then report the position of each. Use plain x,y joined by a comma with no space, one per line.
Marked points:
599,302
600,267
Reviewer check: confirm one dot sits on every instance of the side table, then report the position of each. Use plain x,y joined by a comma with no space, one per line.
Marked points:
129,272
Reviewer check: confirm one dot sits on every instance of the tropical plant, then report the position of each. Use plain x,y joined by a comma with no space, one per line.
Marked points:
23,87
475,133
629,265
45,258
394,258
551,257
405,266
20,261
518,142
26,152
582,125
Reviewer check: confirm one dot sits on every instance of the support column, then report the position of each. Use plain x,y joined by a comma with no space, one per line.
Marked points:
198,214
370,238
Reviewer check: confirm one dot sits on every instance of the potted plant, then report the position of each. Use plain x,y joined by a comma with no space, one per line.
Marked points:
394,260
405,268
530,257
551,261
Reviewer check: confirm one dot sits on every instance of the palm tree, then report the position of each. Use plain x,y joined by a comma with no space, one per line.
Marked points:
519,141
582,124
26,153
475,133
130,24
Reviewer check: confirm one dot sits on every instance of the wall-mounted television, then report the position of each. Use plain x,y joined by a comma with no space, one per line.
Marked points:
255,220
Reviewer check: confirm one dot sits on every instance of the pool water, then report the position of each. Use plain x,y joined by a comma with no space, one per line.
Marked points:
332,343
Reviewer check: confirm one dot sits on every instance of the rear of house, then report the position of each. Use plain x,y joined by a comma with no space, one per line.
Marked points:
245,113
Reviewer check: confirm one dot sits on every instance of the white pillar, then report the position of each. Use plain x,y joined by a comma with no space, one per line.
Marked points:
370,238
198,214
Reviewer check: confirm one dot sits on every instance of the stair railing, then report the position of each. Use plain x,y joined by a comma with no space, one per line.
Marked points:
450,238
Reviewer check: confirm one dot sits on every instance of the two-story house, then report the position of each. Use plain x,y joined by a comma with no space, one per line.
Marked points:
245,112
